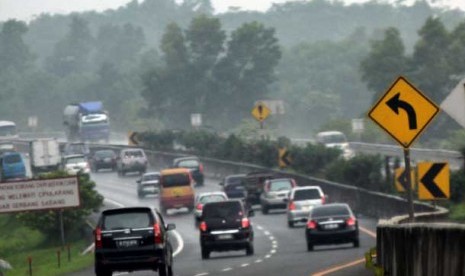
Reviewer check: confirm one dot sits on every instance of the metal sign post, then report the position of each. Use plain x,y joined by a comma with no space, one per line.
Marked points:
408,177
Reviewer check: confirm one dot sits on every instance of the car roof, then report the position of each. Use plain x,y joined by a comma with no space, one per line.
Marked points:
174,171
211,193
332,205
280,179
186,158
306,188
126,209
74,155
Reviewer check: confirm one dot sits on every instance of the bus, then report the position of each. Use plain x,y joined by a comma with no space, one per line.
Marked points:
8,130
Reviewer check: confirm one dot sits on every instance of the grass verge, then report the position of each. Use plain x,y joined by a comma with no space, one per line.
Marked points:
19,243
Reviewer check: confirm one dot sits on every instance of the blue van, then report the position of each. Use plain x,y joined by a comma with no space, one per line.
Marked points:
12,166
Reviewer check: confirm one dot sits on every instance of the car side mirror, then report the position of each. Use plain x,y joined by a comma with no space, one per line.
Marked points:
138,181
286,199
170,226
221,184
251,213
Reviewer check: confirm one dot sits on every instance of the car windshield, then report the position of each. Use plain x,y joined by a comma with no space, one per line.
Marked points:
176,180
149,177
105,153
188,164
334,138
12,158
307,194
281,185
212,198
126,220
224,209
326,211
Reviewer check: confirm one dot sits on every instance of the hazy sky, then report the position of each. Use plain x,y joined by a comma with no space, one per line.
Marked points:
26,9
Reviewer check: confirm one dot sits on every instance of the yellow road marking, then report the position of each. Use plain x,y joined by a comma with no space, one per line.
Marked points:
353,263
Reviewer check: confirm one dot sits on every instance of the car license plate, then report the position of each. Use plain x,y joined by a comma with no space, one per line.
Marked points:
331,226
224,237
126,243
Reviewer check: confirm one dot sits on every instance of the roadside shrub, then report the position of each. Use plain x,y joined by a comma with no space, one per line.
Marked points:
312,159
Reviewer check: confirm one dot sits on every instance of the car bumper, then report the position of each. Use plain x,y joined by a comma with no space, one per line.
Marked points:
274,203
237,242
331,237
177,202
129,260
297,215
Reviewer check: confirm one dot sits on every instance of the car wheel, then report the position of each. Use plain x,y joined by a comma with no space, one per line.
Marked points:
249,250
265,210
163,270
309,246
356,243
290,224
205,253
102,272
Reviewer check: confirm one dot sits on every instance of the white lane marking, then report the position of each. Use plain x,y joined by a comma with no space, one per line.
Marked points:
271,238
266,233
267,256
226,269
244,265
258,261
259,227
120,273
202,274
273,251
274,245
175,233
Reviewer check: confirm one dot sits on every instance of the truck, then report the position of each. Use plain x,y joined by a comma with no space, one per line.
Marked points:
86,121
44,155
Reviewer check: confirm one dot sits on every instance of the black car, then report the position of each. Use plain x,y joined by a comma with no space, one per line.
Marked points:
331,224
225,226
133,238
233,186
194,165
103,159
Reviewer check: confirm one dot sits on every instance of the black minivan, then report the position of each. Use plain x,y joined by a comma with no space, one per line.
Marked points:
225,226
133,238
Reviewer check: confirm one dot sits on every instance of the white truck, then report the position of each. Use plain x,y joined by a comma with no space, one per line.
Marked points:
44,155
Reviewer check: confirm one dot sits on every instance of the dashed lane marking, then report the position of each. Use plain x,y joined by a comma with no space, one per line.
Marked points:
244,265
226,269
202,274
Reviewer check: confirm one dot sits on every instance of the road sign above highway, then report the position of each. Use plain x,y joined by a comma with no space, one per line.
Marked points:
260,111
403,112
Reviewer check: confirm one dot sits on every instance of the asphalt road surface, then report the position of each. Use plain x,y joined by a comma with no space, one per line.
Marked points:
279,250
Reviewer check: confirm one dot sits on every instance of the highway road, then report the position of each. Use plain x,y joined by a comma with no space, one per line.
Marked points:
279,250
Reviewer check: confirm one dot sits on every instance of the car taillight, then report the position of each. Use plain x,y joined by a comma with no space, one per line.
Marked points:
245,223
201,168
291,205
311,224
203,226
199,207
157,233
98,238
323,200
350,221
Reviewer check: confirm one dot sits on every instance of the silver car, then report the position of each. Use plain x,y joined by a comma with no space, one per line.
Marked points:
203,198
149,183
301,201
275,193
75,163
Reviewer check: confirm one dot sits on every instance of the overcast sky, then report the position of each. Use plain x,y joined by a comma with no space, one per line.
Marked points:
27,9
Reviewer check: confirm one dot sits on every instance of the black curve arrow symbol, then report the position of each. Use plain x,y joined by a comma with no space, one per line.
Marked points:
395,103
428,180
402,179
285,158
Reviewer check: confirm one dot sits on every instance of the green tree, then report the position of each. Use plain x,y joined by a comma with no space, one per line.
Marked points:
385,62
248,69
14,53
72,53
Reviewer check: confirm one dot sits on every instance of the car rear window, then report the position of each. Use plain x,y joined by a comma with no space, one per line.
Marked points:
176,180
133,153
149,177
234,180
105,153
330,211
78,159
12,158
281,185
212,198
188,163
307,194
226,209
124,220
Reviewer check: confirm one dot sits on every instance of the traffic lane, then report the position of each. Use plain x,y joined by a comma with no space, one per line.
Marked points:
122,190
292,254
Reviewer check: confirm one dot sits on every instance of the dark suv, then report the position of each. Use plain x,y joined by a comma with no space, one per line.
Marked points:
133,238
194,165
225,226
